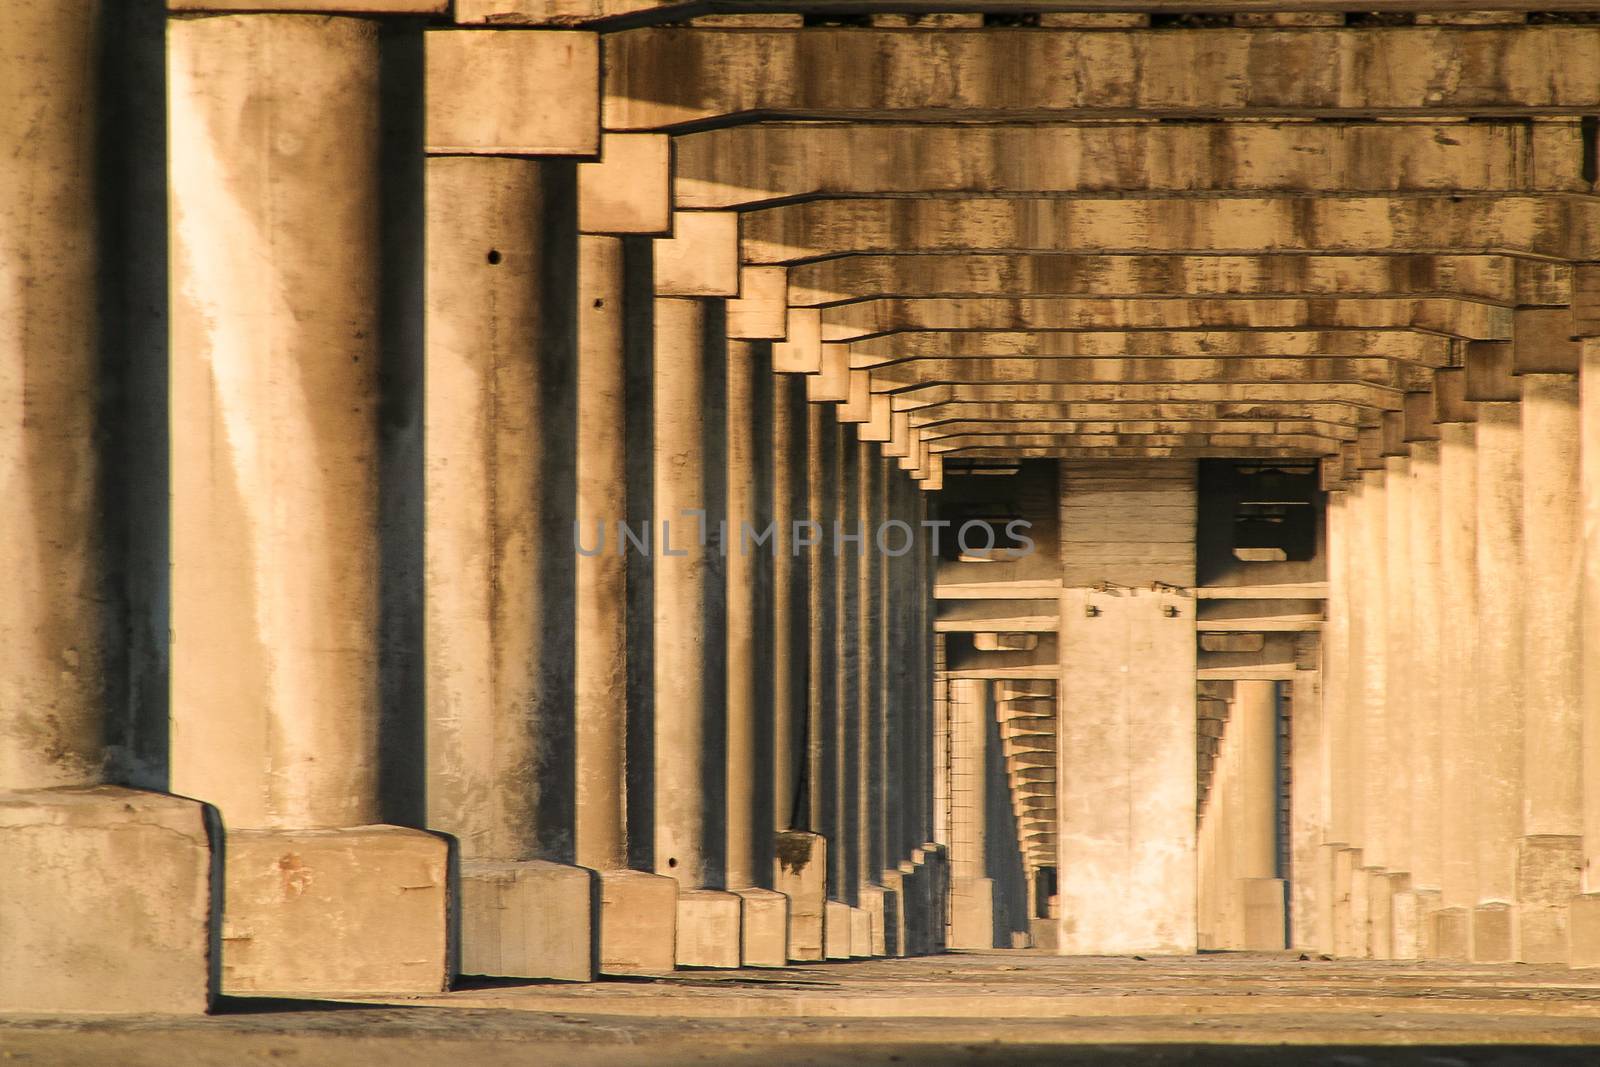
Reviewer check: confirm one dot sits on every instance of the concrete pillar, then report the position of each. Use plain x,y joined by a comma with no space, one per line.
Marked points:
1372,600
1585,912
764,913
496,605
637,915
1549,858
845,542
85,862
1398,741
275,349
1426,627
972,892
1458,654
708,918
1498,707
1310,863
1337,770
870,774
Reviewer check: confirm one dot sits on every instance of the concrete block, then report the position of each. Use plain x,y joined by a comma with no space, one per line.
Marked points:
1427,903
1492,933
525,94
917,907
836,931
860,934
708,928
701,258
1264,913
630,189
1403,935
764,926
874,900
894,912
1549,876
1349,934
937,858
107,902
528,919
638,923
1045,933
1380,914
972,913
1583,916
1360,933
800,872
362,909
1452,934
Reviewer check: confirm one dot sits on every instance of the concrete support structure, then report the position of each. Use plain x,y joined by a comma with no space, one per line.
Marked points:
971,891
275,556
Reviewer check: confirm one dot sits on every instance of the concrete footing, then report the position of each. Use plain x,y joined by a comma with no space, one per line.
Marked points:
107,903
894,914
638,923
529,919
362,909
764,927
916,904
1045,933
1380,913
836,931
1549,876
875,900
1427,929
1492,933
1452,934
860,934
972,913
1403,934
1583,930
708,928
1265,918
800,872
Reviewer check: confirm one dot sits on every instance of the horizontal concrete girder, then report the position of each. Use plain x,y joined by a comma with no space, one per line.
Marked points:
662,78
1548,227
1151,452
1328,430
1360,395
1446,315
1391,375
753,165
1308,444
1490,278
1023,412
1428,350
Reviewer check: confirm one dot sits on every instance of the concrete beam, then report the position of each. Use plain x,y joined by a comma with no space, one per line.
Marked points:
521,94
1407,346
1151,369
1537,227
754,165
661,78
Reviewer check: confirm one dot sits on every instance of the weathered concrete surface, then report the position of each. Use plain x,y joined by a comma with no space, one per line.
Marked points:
529,919
709,928
106,901
1213,1010
764,928
800,872
638,923
836,930
326,911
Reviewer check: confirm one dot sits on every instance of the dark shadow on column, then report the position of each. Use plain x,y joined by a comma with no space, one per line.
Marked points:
131,213
848,633
1003,850
557,355
791,389
639,356
714,608
760,430
402,727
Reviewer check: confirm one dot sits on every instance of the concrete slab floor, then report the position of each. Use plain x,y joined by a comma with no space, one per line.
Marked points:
1000,1007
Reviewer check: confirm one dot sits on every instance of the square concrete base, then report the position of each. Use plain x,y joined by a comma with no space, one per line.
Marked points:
1046,933
1349,928
708,928
860,934
363,909
1380,914
1549,875
764,924
1427,905
875,900
1583,917
106,901
1492,933
972,913
915,904
836,931
1403,936
638,923
937,858
894,909
800,872
527,919
1452,934
1264,913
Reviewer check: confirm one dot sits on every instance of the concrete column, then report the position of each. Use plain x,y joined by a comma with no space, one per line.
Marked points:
972,892
85,862
275,349
1585,929
1337,769
637,915
844,537
496,605
1458,656
708,919
1253,730
1498,707
1422,673
1549,859
1398,741
1350,890
1373,603
870,762
764,913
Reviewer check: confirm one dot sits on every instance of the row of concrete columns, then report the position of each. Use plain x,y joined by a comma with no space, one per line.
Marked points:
1455,719
787,708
